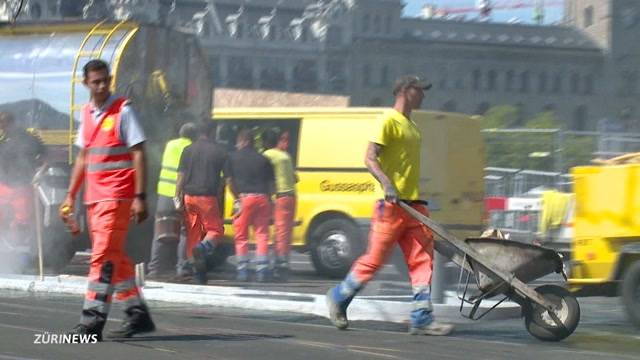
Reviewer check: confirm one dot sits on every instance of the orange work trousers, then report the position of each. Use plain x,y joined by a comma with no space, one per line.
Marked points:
284,214
255,210
391,224
111,271
203,220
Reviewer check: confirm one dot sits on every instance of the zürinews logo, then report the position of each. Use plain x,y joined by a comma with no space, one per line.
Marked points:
47,338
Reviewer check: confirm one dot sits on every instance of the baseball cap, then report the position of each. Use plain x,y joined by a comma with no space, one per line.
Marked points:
408,81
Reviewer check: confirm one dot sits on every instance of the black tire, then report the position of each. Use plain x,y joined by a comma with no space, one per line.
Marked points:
539,323
630,292
336,244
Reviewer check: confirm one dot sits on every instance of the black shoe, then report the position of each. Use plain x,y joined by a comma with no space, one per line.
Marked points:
82,329
281,274
200,258
263,276
242,276
200,277
138,322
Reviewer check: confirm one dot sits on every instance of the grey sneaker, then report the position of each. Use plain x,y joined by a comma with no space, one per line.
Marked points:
434,329
336,315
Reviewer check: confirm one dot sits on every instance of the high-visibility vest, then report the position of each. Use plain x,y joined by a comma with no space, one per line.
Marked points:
170,161
109,171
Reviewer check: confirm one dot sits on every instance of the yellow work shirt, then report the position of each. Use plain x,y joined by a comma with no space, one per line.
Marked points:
282,169
400,156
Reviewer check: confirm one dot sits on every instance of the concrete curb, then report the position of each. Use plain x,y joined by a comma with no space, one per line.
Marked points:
367,308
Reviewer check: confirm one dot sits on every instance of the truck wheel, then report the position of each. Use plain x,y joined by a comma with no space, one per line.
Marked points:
630,292
336,244
541,325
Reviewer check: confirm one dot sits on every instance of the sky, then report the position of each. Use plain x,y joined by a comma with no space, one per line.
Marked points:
553,13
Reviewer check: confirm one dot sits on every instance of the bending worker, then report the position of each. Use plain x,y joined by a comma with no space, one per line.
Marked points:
393,158
285,204
166,237
111,164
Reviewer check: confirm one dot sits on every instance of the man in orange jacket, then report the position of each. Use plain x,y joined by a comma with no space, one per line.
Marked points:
111,163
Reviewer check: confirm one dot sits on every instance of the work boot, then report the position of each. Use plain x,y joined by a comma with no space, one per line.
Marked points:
82,329
200,278
434,328
138,321
281,274
263,276
200,258
242,275
337,315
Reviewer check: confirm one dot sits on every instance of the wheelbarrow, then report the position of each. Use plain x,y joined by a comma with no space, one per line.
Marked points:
502,267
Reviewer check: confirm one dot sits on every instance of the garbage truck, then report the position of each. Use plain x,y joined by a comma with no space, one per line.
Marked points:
162,70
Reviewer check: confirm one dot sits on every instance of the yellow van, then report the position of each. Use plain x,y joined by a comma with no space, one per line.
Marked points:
336,193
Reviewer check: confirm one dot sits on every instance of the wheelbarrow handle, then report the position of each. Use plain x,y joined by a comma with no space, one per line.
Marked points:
455,249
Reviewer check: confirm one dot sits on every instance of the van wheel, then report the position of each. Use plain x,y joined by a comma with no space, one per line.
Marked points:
630,292
337,243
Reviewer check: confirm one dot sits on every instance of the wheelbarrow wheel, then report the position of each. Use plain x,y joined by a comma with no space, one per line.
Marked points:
541,325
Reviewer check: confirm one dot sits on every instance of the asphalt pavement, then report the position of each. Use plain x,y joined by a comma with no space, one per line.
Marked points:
202,332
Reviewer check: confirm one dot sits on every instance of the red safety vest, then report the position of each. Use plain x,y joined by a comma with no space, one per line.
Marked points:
109,171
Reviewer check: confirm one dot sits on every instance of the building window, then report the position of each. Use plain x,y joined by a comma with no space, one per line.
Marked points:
542,82
377,24
476,79
387,24
524,82
366,20
557,84
375,102
508,80
450,106
272,75
366,75
629,83
575,83
588,16
336,71
384,76
588,85
305,75
240,72
216,69
482,108
492,80
580,118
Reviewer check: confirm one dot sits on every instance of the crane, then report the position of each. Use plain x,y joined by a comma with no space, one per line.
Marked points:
485,7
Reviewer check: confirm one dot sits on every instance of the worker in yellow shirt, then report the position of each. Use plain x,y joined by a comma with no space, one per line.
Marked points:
393,158
285,202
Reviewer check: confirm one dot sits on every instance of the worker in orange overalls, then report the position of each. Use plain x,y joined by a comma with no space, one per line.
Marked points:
393,158
111,164
21,153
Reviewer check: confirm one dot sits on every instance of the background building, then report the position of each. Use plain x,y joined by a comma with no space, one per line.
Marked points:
585,69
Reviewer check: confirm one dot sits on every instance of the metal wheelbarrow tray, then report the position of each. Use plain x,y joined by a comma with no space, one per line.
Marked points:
503,267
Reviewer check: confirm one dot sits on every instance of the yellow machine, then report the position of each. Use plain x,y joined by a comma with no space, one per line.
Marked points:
606,246
336,194
163,71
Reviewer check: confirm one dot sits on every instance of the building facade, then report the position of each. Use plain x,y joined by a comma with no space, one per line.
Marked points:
585,70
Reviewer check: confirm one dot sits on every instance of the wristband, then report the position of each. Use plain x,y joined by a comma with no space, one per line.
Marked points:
141,196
